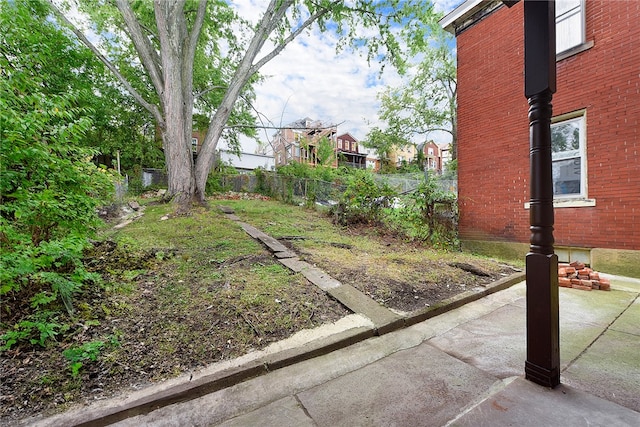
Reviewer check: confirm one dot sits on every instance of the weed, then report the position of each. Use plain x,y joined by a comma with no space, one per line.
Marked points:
77,356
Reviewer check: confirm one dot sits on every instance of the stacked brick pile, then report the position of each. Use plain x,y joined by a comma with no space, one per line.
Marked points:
576,275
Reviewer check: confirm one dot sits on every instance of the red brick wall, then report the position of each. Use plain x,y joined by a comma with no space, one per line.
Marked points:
493,148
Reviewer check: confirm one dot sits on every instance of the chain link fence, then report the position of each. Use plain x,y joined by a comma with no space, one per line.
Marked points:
406,183
287,188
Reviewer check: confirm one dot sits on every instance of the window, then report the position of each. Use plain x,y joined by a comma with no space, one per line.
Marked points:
430,151
570,23
568,158
194,145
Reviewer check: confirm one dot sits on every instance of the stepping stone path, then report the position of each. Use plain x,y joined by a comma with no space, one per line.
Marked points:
384,320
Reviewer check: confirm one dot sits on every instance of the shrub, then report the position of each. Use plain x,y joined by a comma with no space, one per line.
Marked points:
49,188
362,200
216,182
428,214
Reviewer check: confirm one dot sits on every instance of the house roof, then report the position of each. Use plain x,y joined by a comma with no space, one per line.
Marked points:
352,153
470,12
300,123
348,137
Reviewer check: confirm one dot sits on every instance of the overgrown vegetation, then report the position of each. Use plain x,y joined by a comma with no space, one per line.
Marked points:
427,214
355,196
49,188
362,201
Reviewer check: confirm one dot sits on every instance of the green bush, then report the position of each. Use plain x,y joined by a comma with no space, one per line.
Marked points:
362,200
216,182
49,188
263,185
427,214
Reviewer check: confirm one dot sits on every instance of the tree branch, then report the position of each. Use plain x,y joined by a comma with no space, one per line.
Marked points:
195,31
151,108
148,55
289,38
207,90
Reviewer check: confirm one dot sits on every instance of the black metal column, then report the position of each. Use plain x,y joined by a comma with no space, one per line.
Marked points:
543,341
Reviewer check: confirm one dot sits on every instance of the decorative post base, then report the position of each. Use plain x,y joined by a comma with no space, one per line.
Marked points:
543,339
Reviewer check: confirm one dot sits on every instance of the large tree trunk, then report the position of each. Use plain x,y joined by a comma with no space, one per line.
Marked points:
177,100
179,162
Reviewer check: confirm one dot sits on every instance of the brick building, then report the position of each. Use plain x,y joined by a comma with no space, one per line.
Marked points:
595,131
348,154
299,141
432,156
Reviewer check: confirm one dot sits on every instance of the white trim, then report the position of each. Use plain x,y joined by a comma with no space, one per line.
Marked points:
574,51
581,117
569,203
461,12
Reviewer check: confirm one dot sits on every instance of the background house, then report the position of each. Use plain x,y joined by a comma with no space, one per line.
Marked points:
348,153
595,131
372,158
299,141
432,156
400,155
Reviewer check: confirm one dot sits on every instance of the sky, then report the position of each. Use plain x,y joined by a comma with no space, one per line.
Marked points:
308,79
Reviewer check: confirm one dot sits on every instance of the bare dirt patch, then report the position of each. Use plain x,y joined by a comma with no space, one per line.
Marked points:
157,321
403,276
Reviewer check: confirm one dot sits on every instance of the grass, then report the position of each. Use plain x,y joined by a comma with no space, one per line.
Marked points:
187,291
397,272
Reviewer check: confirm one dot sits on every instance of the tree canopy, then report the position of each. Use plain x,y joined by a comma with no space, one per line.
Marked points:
178,56
427,103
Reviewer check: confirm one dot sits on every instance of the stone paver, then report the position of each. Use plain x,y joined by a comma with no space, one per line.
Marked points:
610,368
494,342
522,403
416,387
286,412
628,321
384,319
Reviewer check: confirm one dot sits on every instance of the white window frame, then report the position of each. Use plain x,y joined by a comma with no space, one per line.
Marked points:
573,200
194,144
562,20
580,119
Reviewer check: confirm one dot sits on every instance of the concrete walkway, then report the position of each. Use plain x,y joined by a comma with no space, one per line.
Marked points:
461,367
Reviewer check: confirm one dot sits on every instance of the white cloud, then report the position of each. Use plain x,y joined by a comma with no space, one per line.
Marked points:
308,79
446,6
